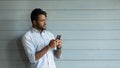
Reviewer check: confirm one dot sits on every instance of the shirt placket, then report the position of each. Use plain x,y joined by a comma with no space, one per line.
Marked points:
43,37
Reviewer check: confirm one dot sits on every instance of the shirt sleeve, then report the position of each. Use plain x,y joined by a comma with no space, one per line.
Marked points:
29,48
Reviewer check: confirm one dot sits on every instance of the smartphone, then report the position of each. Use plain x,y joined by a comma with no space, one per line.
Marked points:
58,37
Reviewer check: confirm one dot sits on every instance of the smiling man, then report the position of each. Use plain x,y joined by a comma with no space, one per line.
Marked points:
39,44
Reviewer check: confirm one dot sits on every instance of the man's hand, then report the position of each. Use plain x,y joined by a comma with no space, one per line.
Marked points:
59,43
52,44
59,46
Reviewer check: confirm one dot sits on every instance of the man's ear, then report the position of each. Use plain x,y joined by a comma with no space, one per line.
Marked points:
34,23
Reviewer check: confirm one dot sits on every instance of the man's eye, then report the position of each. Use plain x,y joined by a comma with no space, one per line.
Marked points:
42,20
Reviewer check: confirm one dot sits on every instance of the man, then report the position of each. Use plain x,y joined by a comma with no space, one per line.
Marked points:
39,44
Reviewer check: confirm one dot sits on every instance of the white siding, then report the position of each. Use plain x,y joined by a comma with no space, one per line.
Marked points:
90,31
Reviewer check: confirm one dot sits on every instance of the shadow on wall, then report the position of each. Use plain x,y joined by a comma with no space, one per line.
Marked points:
16,55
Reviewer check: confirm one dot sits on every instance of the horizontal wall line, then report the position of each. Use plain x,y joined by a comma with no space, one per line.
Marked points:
62,39
94,49
67,30
88,60
60,9
40,0
22,50
91,39
64,20
65,60
72,40
86,29
84,19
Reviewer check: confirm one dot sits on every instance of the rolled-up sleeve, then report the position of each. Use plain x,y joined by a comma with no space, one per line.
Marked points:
29,48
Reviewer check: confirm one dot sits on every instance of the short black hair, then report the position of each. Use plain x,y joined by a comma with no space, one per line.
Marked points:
35,13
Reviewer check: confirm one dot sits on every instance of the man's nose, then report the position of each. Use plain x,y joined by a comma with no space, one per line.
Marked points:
45,22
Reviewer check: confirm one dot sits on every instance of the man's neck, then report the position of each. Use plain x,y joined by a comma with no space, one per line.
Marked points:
40,30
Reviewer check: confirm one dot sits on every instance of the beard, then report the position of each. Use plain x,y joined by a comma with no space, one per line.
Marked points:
40,27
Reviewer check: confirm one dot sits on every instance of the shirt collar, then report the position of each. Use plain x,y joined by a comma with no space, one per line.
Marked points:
35,30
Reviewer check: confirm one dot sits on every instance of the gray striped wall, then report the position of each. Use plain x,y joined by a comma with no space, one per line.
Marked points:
90,31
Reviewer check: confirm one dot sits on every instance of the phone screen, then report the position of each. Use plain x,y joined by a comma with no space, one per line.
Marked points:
58,37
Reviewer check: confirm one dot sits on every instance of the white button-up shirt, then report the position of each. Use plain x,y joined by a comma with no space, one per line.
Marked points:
33,41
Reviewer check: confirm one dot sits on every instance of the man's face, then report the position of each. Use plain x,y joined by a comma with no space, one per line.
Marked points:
41,22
